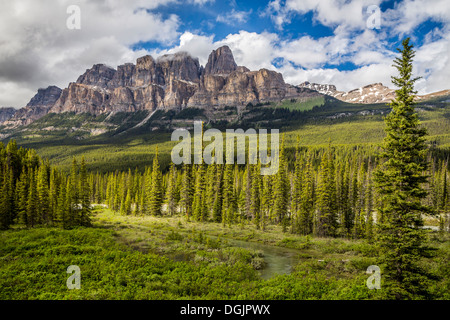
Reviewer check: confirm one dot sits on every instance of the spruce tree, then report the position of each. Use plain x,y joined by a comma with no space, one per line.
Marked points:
218,199
22,194
85,212
256,188
198,206
281,190
228,194
326,220
170,198
306,204
42,188
156,190
399,183
186,192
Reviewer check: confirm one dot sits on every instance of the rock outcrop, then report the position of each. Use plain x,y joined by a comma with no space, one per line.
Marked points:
221,62
6,114
177,81
38,107
174,81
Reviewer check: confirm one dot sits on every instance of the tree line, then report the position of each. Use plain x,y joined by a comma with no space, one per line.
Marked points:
324,192
33,193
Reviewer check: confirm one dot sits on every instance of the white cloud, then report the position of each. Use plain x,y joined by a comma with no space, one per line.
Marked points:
198,46
332,13
200,2
234,17
409,14
251,49
37,49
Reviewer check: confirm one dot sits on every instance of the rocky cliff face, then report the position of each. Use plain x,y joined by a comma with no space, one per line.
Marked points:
178,81
221,62
373,93
172,81
6,114
38,107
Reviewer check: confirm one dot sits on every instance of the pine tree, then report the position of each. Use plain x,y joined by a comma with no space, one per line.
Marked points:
255,203
73,196
228,193
22,193
247,190
63,206
199,205
281,190
218,198
170,198
326,220
42,188
186,193
306,205
54,189
156,190
5,203
399,183
85,190
32,201
347,216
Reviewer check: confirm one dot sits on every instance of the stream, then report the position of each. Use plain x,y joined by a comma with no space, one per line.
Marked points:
279,260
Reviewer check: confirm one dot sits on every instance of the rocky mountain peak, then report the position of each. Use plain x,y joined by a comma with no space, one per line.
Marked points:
221,61
45,97
38,106
178,66
6,114
99,75
322,88
372,93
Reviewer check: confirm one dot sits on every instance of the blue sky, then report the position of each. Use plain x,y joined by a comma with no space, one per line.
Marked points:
323,41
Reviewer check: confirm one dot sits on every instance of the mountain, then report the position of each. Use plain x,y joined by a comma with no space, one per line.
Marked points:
38,107
177,82
171,82
6,114
372,93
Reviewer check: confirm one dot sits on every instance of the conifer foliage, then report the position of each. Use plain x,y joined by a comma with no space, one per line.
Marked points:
400,183
35,194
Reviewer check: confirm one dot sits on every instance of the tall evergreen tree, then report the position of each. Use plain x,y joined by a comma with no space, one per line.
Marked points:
306,205
218,199
326,220
186,192
156,190
170,198
42,188
256,188
399,183
281,189
22,194
85,191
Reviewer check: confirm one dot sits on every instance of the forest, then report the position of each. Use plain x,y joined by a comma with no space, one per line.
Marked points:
326,192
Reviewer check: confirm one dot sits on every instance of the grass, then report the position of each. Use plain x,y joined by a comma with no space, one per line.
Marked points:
126,257
301,105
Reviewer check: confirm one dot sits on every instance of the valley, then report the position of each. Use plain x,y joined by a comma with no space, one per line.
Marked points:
87,179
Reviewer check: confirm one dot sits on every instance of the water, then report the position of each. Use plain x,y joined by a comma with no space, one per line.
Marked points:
278,260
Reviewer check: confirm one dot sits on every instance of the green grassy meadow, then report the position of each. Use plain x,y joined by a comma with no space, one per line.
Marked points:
131,258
